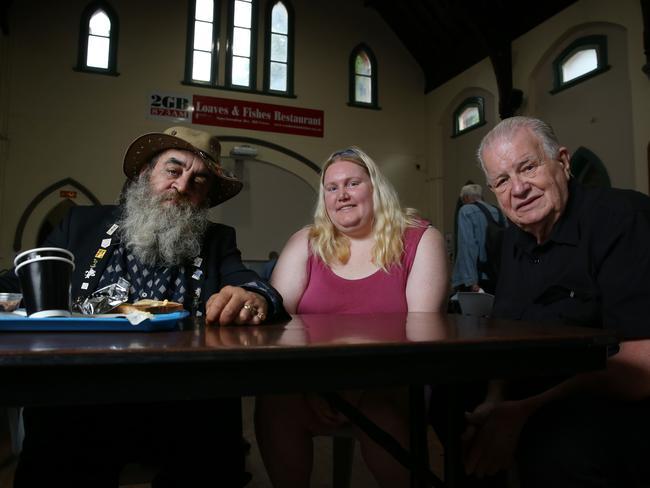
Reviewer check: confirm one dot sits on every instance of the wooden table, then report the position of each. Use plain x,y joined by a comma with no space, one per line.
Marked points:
309,353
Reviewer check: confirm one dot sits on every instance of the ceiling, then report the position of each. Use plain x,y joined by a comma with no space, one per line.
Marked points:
448,36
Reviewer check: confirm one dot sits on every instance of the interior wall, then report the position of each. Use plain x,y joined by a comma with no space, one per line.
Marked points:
63,123
453,160
56,122
269,195
626,58
619,133
4,109
580,115
462,151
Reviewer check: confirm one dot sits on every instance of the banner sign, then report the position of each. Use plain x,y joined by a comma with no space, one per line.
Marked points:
241,114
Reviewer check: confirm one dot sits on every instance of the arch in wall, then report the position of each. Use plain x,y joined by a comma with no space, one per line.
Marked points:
46,205
595,113
278,197
276,147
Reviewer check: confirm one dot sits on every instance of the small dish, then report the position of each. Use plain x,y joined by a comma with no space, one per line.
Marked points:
10,301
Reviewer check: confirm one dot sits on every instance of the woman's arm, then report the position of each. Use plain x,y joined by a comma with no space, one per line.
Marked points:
290,274
428,283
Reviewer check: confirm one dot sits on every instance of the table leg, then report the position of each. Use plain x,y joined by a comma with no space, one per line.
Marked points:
454,472
418,433
418,469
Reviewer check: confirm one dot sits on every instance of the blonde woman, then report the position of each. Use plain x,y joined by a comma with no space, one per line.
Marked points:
363,253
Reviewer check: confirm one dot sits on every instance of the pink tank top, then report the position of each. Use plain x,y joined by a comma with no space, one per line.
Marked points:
381,292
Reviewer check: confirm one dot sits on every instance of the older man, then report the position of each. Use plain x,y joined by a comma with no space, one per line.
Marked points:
575,255
160,240
472,269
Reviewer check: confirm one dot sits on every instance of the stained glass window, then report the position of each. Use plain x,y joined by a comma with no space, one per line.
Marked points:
469,115
203,52
278,39
581,60
241,36
580,63
98,39
363,77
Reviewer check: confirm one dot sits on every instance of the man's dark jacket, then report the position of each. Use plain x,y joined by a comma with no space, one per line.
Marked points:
82,231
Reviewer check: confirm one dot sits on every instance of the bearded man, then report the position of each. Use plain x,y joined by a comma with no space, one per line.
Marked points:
160,240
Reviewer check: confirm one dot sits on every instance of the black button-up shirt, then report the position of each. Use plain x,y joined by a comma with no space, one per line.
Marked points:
594,269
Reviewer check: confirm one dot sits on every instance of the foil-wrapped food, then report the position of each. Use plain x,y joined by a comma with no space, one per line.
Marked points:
105,299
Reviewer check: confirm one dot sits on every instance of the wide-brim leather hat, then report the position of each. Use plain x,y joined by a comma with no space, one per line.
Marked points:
144,148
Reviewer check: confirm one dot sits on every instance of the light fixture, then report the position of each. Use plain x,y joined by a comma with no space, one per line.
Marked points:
244,151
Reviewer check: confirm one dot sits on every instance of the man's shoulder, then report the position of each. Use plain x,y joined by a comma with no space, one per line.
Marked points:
217,231
473,209
85,211
469,209
615,201
217,227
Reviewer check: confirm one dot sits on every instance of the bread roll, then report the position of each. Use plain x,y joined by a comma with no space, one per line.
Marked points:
151,306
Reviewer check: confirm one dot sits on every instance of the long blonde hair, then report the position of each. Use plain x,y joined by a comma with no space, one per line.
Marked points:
389,223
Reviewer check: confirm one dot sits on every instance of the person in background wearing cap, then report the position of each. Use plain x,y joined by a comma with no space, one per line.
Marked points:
160,240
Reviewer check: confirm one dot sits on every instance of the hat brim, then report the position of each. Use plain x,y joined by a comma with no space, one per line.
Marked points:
145,147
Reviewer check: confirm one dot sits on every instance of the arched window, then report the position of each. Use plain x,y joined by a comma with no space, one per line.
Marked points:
363,78
469,115
584,58
278,70
201,60
98,32
240,64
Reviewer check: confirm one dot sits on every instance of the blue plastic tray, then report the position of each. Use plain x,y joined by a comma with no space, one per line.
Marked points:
17,323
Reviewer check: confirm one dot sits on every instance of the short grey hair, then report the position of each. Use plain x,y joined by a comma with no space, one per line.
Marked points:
472,190
507,129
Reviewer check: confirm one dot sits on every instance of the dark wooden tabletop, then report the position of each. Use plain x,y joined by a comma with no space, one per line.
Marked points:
308,353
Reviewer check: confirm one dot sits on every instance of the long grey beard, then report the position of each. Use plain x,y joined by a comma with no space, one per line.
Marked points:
160,234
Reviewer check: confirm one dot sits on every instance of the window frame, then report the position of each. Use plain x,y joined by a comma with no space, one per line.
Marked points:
597,41
84,32
189,47
475,101
253,45
374,75
290,49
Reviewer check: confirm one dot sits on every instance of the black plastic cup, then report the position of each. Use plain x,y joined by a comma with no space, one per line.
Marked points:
44,276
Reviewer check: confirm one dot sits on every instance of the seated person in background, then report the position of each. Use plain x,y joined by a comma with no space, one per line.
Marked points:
363,254
575,256
472,271
159,239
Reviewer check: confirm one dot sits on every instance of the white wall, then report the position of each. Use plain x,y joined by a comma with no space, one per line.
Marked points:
62,123
57,123
608,113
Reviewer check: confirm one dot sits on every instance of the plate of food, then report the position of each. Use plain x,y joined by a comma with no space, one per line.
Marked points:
143,316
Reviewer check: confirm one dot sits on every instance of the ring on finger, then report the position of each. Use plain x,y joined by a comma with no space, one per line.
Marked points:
250,308
261,315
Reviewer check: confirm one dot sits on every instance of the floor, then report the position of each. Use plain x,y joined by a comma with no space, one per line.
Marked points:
321,478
